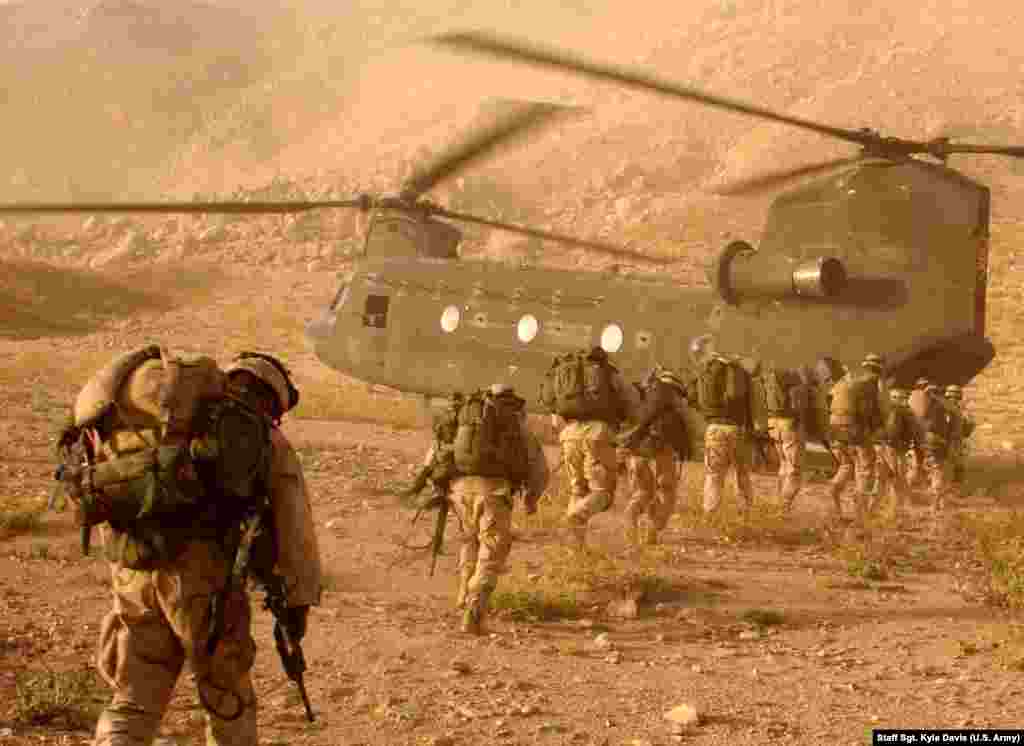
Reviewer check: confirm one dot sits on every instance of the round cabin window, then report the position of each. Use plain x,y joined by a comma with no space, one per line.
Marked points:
611,338
527,328
450,319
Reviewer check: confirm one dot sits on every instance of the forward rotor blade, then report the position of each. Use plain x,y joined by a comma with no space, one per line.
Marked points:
527,117
774,179
229,208
506,47
549,236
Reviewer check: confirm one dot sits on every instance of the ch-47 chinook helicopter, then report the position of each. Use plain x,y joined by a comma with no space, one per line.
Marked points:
887,255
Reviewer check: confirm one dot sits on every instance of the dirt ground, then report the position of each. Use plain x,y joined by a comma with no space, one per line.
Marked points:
780,632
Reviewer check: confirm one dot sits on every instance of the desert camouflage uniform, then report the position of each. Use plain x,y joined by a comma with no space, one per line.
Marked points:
853,446
652,467
726,446
894,441
786,429
935,449
961,428
590,461
484,506
160,620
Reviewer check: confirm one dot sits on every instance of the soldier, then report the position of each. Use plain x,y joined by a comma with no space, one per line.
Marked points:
787,401
652,444
961,428
480,486
933,437
854,418
174,599
914,467
588,399
896,438
721,391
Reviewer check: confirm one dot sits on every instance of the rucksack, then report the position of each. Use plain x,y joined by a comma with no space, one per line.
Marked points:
669,427
579,386
844,408
489,439
177,456
722,388
777,384
931,416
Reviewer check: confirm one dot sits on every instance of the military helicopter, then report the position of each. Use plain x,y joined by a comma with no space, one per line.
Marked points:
890,242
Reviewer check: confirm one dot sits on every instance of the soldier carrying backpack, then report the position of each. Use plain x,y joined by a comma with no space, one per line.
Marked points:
175,460
961,428
787,400
721,391
934,430
897,436
588,399
481,457
658,436
855,418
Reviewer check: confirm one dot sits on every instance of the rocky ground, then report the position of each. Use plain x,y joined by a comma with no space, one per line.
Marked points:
780,630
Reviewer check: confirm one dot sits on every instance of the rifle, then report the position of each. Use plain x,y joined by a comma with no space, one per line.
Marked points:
440,524
290,651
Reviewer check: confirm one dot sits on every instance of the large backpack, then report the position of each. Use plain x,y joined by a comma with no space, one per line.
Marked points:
160,443
489,439
931,417
777,397
844,408
723,389
579,386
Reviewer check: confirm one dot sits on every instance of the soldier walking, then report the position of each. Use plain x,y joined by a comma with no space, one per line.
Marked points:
787,400
174,532
721,392
961,428
587,399
933,438
480,463
896,438
854,418
653,443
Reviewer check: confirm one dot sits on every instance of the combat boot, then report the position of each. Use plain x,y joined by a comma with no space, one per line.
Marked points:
472,620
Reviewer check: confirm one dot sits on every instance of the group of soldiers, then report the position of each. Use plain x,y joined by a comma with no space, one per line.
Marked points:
183,466
883,443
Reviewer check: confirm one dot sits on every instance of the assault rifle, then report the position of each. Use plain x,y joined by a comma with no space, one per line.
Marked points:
290,651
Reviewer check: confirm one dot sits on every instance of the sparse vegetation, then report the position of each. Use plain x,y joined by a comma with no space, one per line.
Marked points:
763,617
999,545
540,605
70,698
19,521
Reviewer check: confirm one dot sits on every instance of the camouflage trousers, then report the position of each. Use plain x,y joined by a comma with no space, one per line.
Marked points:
857,464
936,470
653,480
789,445
160,620
914,468
484,508
589,460
726,447
957,463
889,468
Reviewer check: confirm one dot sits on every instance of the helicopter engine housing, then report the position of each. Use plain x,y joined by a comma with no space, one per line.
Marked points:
742,273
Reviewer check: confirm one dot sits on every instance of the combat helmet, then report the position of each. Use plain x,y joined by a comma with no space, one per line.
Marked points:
954,392
872,362
270,371
932,388
663,374
897,394
921,383
700,347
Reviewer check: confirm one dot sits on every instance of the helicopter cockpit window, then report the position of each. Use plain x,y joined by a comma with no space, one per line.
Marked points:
611,338
450,318
376,311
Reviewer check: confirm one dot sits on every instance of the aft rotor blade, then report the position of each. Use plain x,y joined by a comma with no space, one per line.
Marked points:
506,47
549,236
230,208
527,117
774,179
1015,151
